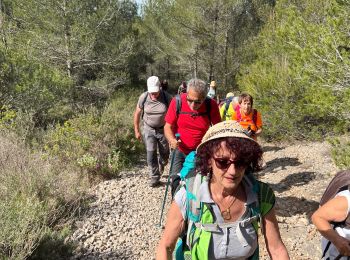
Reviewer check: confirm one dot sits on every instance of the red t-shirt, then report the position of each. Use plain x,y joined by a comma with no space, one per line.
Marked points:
191,128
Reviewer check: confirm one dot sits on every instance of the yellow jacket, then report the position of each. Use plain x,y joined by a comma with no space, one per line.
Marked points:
229,112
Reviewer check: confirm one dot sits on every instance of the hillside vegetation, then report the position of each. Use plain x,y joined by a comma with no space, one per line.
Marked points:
71,73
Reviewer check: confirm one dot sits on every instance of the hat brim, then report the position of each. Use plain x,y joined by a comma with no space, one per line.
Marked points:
225,135
153,89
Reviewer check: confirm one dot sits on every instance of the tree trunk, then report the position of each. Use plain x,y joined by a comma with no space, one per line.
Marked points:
213,45
67,39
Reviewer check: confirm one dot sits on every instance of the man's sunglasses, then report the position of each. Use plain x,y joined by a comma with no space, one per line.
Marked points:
224,164
197,102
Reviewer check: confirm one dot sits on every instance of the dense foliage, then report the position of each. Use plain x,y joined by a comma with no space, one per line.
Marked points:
300,71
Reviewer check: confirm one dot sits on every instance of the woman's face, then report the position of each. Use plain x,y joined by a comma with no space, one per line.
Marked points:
246,106
228,171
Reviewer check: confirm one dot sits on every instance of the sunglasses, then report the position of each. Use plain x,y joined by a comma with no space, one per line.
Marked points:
197,102
224,164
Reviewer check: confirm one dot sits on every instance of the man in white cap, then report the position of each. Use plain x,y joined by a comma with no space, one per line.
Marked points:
152,107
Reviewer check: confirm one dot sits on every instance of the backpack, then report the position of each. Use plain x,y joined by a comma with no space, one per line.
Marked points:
165,99
200,222
207,105
227,105
340,182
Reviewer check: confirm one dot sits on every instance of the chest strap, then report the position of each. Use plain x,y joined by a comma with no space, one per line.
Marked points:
239,225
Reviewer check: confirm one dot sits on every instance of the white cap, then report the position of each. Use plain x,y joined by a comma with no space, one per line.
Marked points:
153,84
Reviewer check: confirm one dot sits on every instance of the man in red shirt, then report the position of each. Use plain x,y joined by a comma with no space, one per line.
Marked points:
191,120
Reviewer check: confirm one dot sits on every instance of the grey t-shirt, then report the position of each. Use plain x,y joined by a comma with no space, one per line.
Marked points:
154,111
225,244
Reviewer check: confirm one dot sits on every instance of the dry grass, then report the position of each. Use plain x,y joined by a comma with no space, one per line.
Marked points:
34,194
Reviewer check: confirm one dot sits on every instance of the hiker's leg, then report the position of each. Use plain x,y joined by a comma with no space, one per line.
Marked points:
163,147
152,161
179,158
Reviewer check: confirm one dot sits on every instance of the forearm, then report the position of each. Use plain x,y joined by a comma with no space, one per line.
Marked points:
164,253
325,228
279,252
169,133
273,240
173,228
137,121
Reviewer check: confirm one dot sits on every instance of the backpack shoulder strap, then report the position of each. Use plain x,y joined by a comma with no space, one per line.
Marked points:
255,116
339,181
227,105
193,204
208,108
143,103
165,98
178,104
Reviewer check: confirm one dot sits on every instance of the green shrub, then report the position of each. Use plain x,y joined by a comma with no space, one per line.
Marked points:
34,195
100,142
341,151
299,76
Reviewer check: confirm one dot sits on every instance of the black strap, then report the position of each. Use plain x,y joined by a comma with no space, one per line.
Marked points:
227,105
340,256
255,117
143,105
193,114
326,249
165,98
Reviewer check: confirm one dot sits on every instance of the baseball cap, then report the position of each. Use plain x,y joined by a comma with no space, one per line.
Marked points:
230,94
153,84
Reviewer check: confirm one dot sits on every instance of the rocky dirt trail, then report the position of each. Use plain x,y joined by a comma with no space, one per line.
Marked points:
122,219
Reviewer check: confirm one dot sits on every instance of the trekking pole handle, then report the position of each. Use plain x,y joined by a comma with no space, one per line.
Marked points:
174,146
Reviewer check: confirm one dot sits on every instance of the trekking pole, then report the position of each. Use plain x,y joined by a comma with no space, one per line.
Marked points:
177,136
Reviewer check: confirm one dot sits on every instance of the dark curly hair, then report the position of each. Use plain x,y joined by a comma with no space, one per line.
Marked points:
245,150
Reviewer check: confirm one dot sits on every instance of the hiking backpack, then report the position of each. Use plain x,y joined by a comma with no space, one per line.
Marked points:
227,105
165,99
198,225
207,106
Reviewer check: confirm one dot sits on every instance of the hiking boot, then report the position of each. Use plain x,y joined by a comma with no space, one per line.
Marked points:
154,184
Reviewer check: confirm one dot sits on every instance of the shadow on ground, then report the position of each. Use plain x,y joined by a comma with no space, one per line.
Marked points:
88,255
290,206
295,179
272,148
280,164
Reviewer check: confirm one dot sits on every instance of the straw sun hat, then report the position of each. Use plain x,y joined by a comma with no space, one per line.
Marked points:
229,128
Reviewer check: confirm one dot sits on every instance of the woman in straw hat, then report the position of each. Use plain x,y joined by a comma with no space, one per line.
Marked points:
219,219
